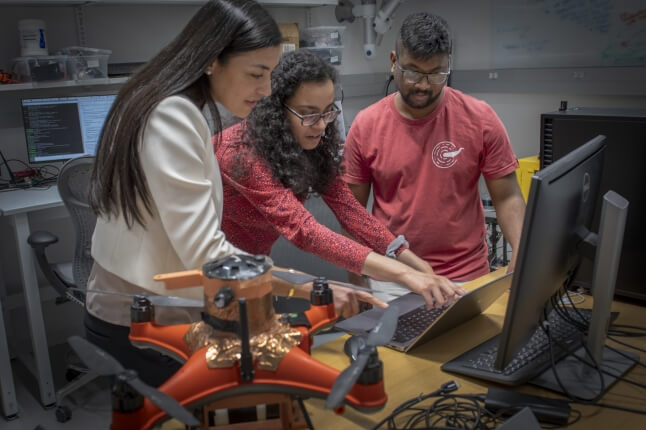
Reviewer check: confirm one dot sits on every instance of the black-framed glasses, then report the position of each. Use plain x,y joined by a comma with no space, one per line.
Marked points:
311,119
413,77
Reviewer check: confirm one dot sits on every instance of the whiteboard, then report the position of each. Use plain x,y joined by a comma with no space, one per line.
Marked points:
568,33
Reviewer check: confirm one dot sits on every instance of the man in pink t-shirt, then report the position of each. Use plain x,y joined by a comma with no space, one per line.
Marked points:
423,150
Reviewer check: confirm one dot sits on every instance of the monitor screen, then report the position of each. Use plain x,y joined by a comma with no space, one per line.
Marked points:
559,214
62,128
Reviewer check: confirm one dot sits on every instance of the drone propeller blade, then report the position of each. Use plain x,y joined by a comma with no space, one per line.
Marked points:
94,357
172,301
353,345
346,380
359,348
164,402
104,364
155,300
385,328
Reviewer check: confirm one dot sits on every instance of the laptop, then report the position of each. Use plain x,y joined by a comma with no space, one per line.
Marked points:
417,325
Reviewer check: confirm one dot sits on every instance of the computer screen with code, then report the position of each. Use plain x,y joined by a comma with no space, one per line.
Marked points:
62,128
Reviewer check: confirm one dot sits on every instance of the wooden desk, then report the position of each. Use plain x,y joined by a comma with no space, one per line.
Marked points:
407,375
17,205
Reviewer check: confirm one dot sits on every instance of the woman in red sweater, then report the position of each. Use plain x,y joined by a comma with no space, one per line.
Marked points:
288,148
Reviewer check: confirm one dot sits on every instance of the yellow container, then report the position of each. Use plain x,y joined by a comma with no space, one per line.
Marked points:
527,167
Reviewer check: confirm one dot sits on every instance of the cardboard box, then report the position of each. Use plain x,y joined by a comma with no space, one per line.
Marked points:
526,168
290,37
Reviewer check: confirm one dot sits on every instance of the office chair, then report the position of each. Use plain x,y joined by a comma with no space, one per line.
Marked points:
73,181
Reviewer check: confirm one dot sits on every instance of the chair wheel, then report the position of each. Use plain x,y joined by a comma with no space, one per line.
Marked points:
71,374
63,414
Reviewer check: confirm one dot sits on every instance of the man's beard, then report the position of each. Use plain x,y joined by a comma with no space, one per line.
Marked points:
408,98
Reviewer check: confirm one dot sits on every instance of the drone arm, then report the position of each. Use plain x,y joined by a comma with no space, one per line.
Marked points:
168,339
300,371
185,279
321,317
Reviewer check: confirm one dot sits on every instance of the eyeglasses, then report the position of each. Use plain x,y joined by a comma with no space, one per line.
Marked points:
310,120
413,77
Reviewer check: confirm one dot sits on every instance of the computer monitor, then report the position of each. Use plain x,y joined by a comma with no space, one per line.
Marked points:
560,208
556,236
62,128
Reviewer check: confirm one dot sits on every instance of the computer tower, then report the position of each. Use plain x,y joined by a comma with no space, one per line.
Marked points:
624,172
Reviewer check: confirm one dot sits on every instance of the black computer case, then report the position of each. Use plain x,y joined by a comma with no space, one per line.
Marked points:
624,172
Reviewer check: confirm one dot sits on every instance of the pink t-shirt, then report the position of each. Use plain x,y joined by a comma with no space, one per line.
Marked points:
425,176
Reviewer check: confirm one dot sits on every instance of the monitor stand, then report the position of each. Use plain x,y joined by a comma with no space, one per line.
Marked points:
577,379
581,381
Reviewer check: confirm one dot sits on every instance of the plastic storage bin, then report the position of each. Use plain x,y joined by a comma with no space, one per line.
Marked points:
40,68
331,55
86,63
322,37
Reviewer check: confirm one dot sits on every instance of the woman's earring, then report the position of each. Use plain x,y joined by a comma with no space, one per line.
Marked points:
208,73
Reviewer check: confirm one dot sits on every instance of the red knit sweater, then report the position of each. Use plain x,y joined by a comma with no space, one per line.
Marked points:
258,209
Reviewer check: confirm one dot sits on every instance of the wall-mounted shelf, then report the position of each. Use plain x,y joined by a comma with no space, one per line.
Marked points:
291,3
61,84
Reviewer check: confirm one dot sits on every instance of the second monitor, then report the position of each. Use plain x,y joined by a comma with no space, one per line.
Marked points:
556,236
62,128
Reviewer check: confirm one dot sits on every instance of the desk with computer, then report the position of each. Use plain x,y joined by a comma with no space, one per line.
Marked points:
56,129
544,342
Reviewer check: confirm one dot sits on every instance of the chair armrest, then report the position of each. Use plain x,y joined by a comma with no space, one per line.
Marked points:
42,239
39,240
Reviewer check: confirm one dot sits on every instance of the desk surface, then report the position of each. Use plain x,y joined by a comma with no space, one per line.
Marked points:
408,375
29,199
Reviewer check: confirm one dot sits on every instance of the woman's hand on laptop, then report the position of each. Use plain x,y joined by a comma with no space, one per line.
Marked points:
436,290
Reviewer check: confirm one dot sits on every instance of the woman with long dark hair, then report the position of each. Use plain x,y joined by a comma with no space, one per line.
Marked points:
288,148
156,185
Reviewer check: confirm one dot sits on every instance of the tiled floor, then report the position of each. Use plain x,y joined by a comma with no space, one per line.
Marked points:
90,405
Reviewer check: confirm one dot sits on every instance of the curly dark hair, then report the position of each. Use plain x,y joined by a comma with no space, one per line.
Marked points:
423,35
269,134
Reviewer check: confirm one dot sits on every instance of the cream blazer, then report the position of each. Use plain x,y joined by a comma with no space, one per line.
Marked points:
183,231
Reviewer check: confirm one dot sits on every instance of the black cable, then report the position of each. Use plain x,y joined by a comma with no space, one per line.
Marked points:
545,327
390,79
629,326
615,329
308,421
23,163
596,366
448,411
626,344
611,406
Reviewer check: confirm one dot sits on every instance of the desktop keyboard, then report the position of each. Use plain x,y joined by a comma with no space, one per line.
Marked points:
530,361
412,324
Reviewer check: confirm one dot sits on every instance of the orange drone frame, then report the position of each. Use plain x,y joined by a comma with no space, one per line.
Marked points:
297,373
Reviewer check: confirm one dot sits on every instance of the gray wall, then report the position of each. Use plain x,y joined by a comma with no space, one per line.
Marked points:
136,32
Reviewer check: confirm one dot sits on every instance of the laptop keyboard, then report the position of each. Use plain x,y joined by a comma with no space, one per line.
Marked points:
413,323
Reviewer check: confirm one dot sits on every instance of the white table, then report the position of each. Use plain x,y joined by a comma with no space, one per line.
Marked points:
17,205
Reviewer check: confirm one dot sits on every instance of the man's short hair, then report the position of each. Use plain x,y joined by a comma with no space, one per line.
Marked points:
423,35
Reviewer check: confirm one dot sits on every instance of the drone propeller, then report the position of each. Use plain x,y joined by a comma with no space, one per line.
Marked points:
360,349
170,301
106,365
155,300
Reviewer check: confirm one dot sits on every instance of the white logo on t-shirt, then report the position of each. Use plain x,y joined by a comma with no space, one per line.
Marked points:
445,154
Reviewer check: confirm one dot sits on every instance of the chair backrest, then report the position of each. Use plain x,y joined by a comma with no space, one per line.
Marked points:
73,186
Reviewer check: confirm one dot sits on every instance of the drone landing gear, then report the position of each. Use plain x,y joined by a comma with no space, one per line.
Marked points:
253,411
